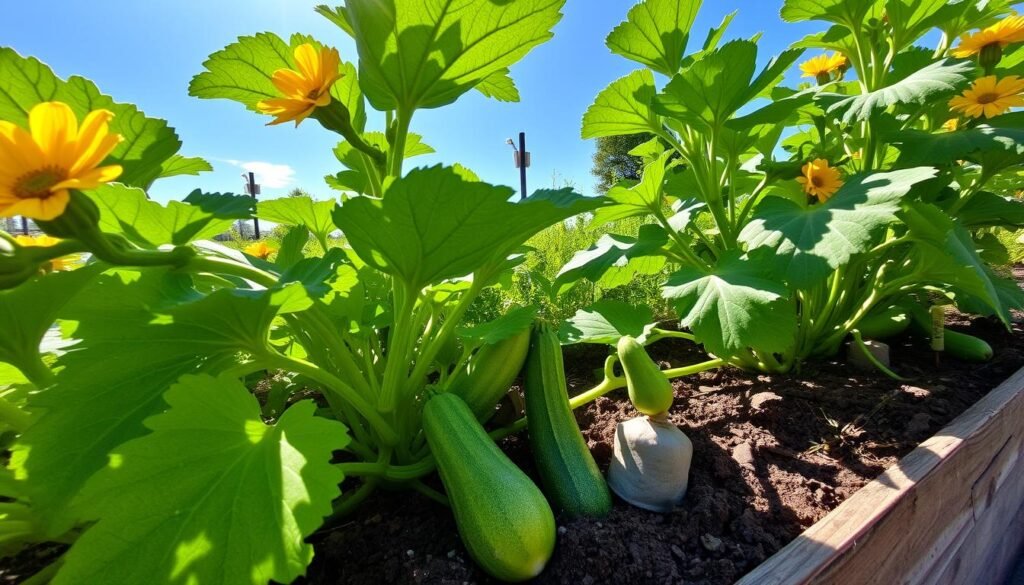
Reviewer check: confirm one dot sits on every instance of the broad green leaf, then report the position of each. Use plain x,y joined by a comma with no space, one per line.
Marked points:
512,322
850,13
994,147
292,245
363,172
621,275
500,86
719,83
611,250
733,306
242,72
655,33
179,165
965,16
947,256
127,210
433,225
811,241
28,311
921,87
425,54
605,321
148,142
986,209
624,107
293,211
641,199
911,19
159,328
212,495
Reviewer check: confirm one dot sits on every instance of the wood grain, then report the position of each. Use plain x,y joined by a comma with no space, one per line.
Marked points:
950,512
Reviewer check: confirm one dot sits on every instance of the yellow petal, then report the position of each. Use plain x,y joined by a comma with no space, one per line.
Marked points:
44,209
307,60
18,151
90,179
290,83
55,129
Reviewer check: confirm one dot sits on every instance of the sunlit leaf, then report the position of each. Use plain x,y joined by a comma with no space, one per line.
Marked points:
224,464
416,54
655,33
605,321
624,107
810,241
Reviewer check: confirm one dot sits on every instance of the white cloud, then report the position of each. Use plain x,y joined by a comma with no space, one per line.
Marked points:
268,175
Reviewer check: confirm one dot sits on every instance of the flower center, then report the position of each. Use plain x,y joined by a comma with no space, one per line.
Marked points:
816,181
988,98
36,184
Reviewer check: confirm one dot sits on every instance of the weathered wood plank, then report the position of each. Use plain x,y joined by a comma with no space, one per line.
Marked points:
948,512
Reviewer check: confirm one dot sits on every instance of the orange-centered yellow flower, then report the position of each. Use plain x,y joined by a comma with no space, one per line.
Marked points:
259,250
39,166
822,64
1006,31
307,88
820,180
990,97
43,241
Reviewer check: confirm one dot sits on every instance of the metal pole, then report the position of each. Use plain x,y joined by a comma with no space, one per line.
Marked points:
24,225
252,191
522,165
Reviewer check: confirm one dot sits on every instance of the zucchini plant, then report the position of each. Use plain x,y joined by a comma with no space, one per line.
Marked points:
144,444
788,215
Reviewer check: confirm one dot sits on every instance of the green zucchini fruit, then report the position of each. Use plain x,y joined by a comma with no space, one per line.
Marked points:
888,322
490,373
503,518
570,477
649,391
967,347
959,345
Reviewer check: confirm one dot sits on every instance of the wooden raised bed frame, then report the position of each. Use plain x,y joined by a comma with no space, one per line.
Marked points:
951,511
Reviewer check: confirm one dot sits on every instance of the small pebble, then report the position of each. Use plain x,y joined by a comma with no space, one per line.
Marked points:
409,553
757,401
711,542
562,530
744,455
451,554
677,551
919,423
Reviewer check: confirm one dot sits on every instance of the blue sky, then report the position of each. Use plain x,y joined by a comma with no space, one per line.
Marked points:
145,52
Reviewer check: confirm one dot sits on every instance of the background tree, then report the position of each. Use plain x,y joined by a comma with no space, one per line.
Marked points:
612,161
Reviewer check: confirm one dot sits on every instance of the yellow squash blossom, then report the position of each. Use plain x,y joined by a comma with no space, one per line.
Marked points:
951,124
990,97
259,250
43,241
307,88
820,180
822,65
39,166
1006,31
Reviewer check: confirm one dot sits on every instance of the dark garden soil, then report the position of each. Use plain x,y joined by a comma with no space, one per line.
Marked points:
772,455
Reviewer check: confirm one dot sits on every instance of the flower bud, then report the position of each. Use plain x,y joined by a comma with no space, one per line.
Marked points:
990,56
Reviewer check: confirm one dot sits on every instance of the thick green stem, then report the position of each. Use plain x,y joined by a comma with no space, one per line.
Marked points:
345,392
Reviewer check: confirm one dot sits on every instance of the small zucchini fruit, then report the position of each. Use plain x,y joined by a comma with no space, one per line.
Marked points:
649,391
503,518
886,323
570,477
967,347
959,345
490,373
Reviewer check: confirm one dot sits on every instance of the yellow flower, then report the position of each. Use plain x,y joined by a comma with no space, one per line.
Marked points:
38,167
989,97
1006,31
951,124
43,241
820,180
306,89
259,250
822,64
